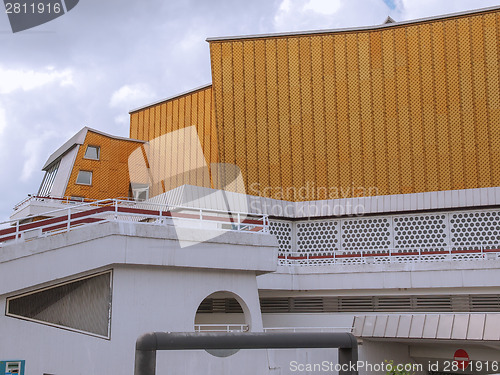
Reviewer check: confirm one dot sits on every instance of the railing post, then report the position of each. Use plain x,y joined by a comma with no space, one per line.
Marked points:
239,222
17,230
69,219
116,208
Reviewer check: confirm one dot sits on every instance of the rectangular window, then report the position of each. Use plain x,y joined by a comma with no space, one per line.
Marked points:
92,152
84,178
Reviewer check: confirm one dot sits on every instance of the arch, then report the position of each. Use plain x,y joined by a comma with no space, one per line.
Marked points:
228,313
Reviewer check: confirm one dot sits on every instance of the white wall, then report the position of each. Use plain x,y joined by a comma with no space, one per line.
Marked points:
63,173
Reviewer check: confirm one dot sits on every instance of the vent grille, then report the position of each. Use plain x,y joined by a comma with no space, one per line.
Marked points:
414,303
219,305
486,303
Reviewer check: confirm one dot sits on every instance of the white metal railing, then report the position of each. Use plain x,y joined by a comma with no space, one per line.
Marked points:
308,329
221,327
383,256
96,212
54,200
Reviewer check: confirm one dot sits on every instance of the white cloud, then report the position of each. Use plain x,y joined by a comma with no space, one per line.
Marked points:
299,15
26,80
129,96
328,7
32,151
3,120
413,9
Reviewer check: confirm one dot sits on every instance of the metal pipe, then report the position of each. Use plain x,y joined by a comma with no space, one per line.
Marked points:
149,343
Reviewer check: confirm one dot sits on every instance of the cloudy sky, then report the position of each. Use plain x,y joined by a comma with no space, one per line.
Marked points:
103,58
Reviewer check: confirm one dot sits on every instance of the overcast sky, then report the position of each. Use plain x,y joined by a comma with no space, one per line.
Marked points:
92,65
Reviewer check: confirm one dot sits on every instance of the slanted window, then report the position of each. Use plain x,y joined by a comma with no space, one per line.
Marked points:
84,178
92,152
82,305
48,180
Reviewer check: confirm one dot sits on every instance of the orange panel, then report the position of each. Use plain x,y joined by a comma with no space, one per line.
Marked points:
251,119
284,120
366,112
391,114
493,91
428,109
480,102
272,119
454,118
331,122
345,185
403,110
378,123
306,118
239,112
295,117
109,174
467,104
354,108
321,159
441,108
416,120
261,112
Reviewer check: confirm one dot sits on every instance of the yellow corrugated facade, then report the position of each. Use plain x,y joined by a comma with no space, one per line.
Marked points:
192,109
110,177
406,108
401,109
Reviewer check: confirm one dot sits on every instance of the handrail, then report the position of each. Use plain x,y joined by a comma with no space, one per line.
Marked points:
224,327
308,329
65,199
478,251
65,219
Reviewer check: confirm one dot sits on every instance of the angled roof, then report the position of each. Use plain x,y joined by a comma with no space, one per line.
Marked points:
78,139
171,97
362,28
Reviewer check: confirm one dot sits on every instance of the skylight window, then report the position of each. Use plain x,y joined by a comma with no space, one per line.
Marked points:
84,178
92,152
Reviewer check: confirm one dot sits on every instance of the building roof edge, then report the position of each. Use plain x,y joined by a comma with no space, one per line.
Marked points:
359,28
171,97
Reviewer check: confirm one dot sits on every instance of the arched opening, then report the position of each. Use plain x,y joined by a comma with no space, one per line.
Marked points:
222,312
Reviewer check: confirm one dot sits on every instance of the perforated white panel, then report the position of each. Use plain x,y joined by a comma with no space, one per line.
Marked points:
468,229
427,237
283,232
366,234
427,231
314,236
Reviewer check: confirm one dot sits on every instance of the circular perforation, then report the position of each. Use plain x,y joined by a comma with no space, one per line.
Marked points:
423,231
473,230
314,236
366,234
283,232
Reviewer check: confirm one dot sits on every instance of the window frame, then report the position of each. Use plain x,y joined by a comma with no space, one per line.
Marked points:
81,183
98,148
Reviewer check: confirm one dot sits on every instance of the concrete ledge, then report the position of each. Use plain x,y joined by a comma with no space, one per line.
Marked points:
95,247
